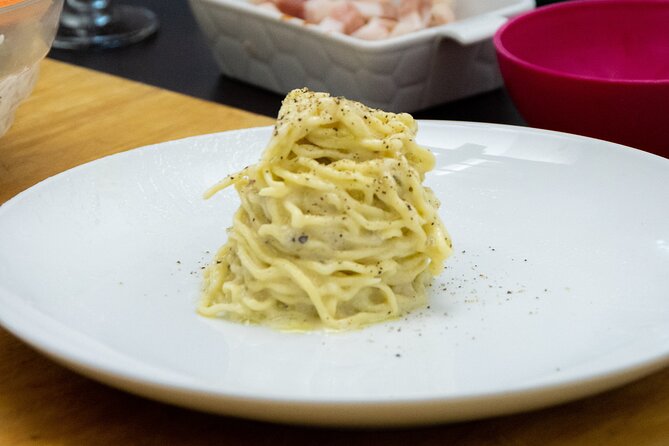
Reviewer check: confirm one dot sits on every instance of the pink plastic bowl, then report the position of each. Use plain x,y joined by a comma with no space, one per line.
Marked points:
598,68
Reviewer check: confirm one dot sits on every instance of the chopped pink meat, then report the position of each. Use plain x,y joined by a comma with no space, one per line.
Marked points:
408,23
328,24
368,19
441,13
315,11
348,15
269,6
376,29
373,9
420,7
291,7
339,16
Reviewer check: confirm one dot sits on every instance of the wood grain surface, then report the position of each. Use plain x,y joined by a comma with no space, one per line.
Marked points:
75,116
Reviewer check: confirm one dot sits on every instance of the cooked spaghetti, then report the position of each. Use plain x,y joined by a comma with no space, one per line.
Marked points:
335,228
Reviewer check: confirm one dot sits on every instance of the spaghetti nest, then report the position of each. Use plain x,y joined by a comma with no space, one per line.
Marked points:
335,228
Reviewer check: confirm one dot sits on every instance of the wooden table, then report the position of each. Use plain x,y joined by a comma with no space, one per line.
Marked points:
75,116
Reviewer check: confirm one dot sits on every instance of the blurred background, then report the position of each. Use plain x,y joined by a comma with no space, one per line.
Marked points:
177,58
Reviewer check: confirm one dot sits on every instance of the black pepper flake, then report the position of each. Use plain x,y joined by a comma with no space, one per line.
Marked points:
303,238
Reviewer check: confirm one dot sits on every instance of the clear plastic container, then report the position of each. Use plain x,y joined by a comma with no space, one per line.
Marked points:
27,29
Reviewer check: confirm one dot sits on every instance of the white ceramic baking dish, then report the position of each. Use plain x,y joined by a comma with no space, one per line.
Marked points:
404,73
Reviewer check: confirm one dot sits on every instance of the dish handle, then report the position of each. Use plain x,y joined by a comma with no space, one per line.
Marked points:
476,30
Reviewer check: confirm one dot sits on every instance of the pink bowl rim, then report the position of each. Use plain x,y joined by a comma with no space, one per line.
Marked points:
575,4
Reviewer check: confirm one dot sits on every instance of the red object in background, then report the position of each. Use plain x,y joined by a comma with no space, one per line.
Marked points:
598,68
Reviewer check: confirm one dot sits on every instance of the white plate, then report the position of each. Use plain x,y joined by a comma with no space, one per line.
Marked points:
557,289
